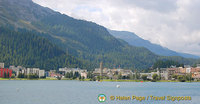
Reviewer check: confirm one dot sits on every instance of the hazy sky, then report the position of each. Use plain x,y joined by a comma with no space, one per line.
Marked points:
173,24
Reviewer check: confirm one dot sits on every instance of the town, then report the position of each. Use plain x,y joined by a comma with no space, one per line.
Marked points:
182,74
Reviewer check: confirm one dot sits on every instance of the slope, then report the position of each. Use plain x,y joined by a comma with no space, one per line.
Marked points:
134,40
27,49
85,40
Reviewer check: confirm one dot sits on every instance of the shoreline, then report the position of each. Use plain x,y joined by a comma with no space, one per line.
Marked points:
104,80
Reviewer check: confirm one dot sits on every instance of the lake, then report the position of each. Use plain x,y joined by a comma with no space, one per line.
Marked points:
86,92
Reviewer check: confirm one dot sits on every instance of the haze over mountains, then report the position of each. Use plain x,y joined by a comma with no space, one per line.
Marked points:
88,42
135,40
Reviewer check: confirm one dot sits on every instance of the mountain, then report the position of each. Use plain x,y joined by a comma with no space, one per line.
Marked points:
135,40
30,50
84,40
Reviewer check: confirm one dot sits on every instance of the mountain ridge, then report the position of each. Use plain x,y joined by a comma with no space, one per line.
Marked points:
84,40
135,40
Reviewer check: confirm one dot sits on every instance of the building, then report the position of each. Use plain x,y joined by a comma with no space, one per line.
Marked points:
125,72
1,65
84,74
32,71
149,75
172,71
68,70
15,69
112,73
188,70
26,71
195,72
5,73
18,69
182,70
41,73
162,73
52,73
37,71
99,71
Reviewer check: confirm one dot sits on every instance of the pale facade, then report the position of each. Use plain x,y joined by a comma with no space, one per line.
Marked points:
1,65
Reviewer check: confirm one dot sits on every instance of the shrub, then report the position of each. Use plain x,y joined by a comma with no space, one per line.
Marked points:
181,78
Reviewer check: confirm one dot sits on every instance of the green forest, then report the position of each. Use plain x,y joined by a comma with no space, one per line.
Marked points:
166,64
41,37
29,50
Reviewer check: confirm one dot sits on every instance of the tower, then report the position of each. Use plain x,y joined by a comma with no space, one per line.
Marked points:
101,68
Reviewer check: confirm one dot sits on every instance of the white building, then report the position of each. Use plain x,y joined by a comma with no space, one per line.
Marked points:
72,70
32,71
36,71
164,74
18,69
84,74
1,65
41,73
188,70
15,69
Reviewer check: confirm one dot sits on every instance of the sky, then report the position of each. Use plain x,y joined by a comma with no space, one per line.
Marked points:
173,24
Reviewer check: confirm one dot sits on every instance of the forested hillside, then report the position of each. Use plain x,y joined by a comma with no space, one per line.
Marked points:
84,40
27,49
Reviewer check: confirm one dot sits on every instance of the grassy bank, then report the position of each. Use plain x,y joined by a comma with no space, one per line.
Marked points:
104,80
144,81
120,80
28,79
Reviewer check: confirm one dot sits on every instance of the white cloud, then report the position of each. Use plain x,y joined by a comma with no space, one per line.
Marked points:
171,23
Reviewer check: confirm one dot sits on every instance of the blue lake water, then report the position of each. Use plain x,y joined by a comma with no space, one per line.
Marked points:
85,92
